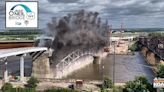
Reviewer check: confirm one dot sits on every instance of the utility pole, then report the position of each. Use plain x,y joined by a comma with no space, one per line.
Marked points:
110,34
114,64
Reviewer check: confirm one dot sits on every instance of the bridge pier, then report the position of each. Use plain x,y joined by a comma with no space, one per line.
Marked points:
151,58
41,66
6,78
22,68
144,51
161,62
18,52
97,60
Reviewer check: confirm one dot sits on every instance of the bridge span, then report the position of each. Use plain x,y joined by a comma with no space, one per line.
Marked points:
153,49
5,53
73,62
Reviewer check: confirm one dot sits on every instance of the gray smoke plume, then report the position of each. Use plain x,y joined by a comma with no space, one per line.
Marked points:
81,30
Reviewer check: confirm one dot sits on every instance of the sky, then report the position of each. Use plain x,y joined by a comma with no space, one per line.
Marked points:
132,13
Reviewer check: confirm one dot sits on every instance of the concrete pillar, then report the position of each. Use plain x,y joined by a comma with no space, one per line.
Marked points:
6,79
144,51
151,58
41,67
97,60
161,62
22,68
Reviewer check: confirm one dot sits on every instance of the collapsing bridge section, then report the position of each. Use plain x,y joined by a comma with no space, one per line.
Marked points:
74,61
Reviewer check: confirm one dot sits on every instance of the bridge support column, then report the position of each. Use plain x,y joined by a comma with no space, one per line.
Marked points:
144,51
97,60
22,68
151,58
41,66
6,79
161,62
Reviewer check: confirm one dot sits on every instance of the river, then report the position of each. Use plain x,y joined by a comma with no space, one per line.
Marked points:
127,67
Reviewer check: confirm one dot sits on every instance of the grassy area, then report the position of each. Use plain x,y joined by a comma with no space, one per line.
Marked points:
19,35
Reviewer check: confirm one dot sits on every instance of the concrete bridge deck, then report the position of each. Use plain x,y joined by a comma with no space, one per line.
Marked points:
18,51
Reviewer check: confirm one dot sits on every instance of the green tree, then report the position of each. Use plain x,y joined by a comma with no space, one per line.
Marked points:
107,83
140,84
134,47
117,89
32,83
60,90
7,87
160,71
22,90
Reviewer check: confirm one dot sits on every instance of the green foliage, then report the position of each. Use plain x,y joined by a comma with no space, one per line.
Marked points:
156,34
103,89
21,32
140,84
134,47
107,83
160,71
60,90
118,89
21,90
32,83
6,87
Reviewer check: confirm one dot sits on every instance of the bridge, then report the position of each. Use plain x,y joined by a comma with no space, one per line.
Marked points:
16,44
41,64
152,48
33,51
70,62
122,38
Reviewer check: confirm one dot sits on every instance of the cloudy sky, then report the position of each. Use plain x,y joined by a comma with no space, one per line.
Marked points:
133,13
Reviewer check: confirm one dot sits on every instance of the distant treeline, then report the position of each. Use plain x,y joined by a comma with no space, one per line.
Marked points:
142,29
21,32
156,34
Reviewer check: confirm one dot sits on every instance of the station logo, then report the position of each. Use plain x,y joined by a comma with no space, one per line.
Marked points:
22,14
158,83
